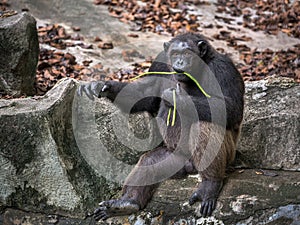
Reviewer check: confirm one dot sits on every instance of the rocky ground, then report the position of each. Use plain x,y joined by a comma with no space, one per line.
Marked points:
227,25
111,39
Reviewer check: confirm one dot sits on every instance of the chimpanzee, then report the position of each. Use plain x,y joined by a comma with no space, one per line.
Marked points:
205,128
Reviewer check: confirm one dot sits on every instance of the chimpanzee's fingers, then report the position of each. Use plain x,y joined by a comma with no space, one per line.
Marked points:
95,87
88,92
80,90
105,88
178,88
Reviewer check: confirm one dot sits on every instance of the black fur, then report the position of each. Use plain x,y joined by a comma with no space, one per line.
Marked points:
182,54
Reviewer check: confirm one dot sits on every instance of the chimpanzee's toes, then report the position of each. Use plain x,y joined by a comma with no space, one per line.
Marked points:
207,193
194,198
100,214
207,207
115,207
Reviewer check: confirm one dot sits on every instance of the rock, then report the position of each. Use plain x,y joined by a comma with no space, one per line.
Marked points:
247,198
41,167
62,155
271,130
110,141
14,216
260,199
247,194
60,151
19,49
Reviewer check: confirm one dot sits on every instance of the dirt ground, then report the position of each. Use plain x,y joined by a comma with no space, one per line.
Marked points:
107,39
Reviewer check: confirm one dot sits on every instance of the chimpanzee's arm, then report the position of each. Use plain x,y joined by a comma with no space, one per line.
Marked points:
224,111
224,108
231,90
141,95
232,87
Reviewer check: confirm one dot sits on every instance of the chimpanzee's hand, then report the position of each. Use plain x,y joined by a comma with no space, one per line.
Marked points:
169,98
94,88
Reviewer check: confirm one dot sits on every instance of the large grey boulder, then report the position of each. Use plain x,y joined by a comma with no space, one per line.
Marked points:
19,49
246,199
109,140
271,129
41,168
61,154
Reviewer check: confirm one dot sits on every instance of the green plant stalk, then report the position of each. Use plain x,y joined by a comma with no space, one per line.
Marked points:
174,108
174,93
168,73
169,116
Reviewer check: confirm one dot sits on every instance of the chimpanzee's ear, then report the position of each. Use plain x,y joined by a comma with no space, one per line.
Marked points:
202,46
166,46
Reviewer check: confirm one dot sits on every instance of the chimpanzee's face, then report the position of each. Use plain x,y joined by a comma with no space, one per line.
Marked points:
183,57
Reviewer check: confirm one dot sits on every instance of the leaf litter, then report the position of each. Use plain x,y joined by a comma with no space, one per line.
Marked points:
170,17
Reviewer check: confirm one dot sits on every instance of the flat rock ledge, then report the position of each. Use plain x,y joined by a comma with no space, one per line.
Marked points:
247,198
55,170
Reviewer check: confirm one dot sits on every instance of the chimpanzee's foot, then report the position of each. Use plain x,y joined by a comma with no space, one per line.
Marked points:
208,193
115,207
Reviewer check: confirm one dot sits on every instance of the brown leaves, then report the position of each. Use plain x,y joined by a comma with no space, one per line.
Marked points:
260,64
124,75
56,36
271,16
53,66
156,16
53,35
105,45
3,5
133,35
128,55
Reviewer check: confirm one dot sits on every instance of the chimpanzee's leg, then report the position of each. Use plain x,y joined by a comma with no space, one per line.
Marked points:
213,149
152,168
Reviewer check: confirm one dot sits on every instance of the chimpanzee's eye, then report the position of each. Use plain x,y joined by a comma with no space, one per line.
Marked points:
187,53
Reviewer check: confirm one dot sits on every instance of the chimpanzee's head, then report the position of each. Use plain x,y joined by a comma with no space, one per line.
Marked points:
186,53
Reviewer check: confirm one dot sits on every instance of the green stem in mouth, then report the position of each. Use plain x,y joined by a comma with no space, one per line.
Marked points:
174,92
168,73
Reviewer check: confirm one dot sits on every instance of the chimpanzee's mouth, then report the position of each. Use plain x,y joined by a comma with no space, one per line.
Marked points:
178,70
180,76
